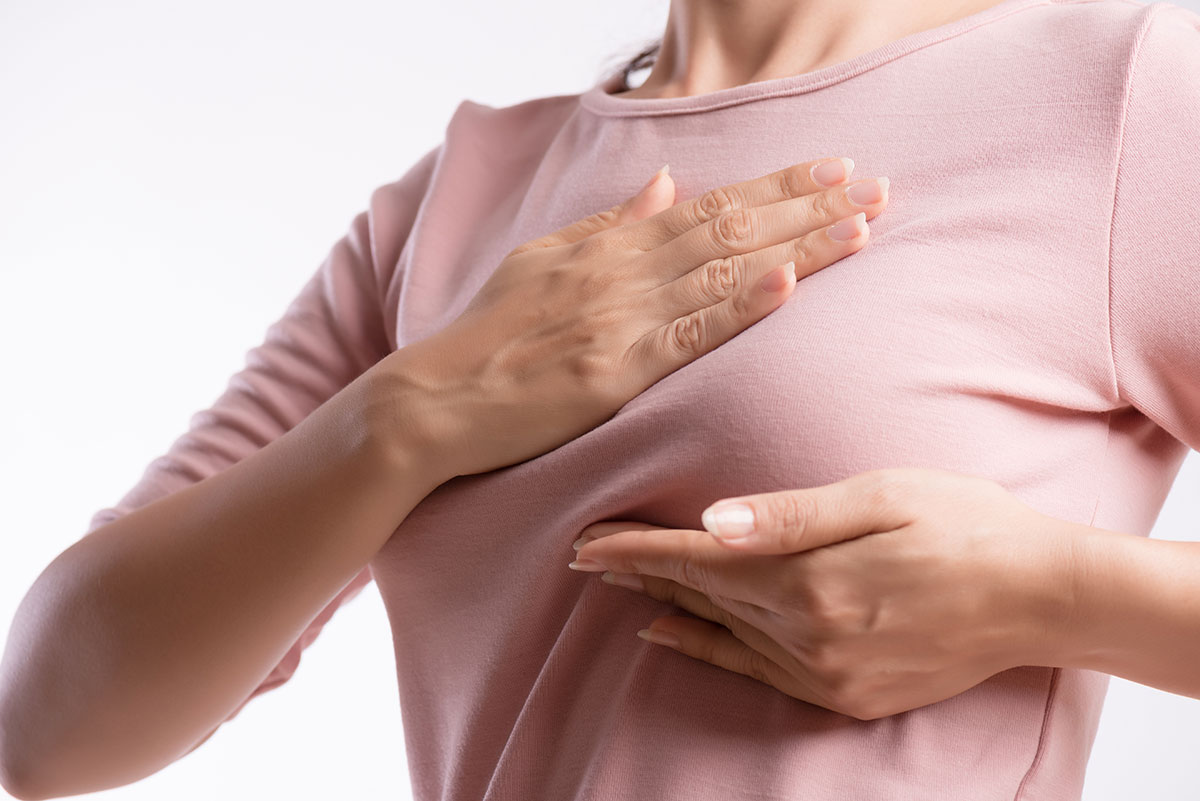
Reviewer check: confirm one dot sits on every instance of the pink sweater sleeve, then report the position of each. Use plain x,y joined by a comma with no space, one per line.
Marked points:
334,330
1155,254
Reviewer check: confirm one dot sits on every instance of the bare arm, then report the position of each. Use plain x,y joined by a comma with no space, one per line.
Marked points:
1135,611
136,642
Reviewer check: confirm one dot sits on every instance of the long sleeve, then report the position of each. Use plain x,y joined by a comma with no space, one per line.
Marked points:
333,331
1154,268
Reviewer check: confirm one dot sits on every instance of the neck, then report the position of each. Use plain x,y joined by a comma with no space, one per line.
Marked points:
716,44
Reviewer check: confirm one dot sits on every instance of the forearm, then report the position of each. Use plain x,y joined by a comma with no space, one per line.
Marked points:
136,642
1135,611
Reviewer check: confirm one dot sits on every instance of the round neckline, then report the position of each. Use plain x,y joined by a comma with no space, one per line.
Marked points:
600,100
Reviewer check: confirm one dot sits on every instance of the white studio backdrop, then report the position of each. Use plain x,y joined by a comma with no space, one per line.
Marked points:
170,175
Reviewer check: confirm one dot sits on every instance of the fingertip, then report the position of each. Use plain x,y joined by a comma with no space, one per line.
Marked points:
780,279
663,187
655,198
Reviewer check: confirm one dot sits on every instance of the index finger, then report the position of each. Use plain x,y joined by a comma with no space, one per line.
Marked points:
790,182
687,557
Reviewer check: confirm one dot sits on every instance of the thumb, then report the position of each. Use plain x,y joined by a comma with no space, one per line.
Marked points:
791,521
658,194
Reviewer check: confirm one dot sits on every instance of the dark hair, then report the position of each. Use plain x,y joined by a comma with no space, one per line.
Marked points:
641,61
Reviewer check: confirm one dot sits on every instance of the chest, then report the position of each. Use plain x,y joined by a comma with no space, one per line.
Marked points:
968,334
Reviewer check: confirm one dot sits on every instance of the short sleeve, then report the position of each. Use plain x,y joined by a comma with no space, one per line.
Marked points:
1154,267
332,331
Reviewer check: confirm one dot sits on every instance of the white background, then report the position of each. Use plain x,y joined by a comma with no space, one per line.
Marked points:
170,175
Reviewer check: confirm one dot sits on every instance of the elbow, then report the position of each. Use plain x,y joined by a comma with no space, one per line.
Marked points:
15,776
18,784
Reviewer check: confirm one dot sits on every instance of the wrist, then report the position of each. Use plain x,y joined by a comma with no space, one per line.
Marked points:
1082,595
407,426
1050,582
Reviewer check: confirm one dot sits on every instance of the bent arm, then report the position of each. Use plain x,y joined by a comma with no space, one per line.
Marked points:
137,641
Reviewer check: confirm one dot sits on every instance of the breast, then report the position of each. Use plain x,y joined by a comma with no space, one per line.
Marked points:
904,354
901,355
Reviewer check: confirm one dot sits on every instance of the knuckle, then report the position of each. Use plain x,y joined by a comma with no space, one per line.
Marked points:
794,512
685,334
589,366
598,246
888,490
715,202
823,617
606,218
734,228
753,665
802,252
707,651
824,661
793,181
662,590
740,305
824,206
692,572
719,277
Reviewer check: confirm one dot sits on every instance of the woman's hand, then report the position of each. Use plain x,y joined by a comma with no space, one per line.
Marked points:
889,590
573,325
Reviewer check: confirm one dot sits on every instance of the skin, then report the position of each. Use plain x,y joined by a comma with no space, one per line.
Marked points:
136,643
830,602
717,44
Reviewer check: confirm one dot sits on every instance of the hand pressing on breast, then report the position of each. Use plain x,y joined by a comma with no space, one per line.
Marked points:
881,593
569,327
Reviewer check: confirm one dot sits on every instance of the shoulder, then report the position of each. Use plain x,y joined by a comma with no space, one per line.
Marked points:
1168,33
487,136
1162,69
514,129
1104,35
1127,16
480,142
1131,25
1123,54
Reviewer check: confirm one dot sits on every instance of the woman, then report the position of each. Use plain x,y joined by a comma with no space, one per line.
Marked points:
973,335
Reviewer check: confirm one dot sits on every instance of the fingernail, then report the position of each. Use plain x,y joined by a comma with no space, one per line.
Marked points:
847,229
588,565
866,193
659,637
832,173
661,172
582,541
729,521
777,279
627,580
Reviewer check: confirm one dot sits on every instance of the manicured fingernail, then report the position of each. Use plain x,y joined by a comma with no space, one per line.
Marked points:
589,565
832,173
582,541
778,278
660,637
627,580
869,192
849,228
661,172
729,521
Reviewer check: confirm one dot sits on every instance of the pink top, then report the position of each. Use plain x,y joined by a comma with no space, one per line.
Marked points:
1026,310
